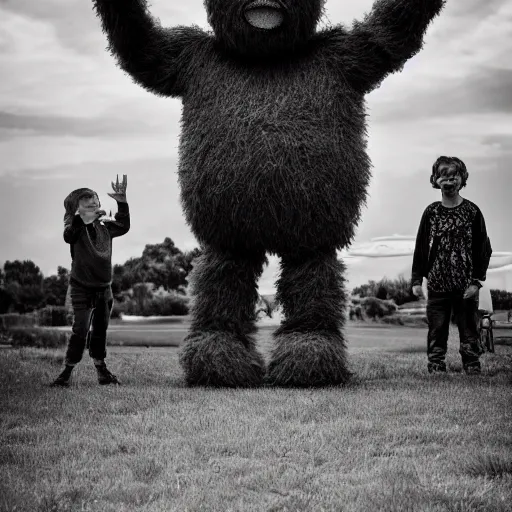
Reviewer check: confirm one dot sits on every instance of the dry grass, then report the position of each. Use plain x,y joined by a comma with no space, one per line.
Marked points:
395,439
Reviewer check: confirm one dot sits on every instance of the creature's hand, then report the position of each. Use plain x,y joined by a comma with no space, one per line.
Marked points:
382,43
471,292
155,57
418,291
119,193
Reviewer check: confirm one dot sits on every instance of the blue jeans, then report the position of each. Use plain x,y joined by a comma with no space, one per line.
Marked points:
90,306
439,309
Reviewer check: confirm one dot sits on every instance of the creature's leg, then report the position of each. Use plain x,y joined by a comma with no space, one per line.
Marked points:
219,349
310,348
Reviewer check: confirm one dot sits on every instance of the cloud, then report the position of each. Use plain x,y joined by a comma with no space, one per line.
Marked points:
32,208
463,68
484,91
21,154
397,202
76,26
29,125
501,141
70,116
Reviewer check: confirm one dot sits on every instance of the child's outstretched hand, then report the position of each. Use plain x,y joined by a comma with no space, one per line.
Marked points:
119,193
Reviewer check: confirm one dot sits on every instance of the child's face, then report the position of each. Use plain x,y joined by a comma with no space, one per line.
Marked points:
88,204
449,179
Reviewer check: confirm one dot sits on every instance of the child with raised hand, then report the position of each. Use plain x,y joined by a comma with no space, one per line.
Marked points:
90,240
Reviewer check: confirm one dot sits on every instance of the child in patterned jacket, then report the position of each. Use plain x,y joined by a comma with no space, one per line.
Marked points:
452,252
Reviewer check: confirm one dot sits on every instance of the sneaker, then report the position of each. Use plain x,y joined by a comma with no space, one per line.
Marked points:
436,367
105,376
63,379
472,369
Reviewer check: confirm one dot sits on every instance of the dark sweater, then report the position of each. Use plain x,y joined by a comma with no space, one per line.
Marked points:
91,247
452,247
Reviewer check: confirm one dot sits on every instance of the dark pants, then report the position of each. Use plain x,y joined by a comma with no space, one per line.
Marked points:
89,303
439,309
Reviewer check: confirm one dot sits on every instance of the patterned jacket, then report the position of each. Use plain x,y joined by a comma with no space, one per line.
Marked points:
452,247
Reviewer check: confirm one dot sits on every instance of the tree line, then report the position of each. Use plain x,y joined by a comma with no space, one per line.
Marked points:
158,275
400,292
24,288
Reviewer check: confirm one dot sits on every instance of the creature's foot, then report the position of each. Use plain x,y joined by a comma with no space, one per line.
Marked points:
221,359
308,359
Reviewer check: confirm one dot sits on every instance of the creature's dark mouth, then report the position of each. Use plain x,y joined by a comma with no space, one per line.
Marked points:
264,14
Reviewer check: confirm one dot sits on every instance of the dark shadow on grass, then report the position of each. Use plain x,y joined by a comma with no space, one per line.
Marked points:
413,349
505,341
490,466
146,344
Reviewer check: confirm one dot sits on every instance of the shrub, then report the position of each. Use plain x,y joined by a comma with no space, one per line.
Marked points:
501,299
399,290
37,337
377,308
168,305
382,292
414,320
54,316
9,320
355,311
393,320
117,309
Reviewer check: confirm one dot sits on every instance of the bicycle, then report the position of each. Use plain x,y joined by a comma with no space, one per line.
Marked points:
486,338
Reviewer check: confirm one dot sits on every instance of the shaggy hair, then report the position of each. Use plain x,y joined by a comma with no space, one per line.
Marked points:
272,159
73,199
460,168
220,349
310,348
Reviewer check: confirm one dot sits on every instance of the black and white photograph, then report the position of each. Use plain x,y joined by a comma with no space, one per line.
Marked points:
255,255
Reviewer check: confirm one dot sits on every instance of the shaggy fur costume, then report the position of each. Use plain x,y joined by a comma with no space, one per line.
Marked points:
272,160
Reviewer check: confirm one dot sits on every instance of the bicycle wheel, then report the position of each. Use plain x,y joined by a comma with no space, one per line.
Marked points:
489,341
482,341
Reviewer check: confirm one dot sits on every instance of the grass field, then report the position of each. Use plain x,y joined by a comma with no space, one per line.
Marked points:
395,439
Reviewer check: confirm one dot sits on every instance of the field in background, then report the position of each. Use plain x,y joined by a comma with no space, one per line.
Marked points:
396,439
359,335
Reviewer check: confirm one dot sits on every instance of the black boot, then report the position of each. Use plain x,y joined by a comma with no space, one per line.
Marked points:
472,368
64,377
104,376
437,367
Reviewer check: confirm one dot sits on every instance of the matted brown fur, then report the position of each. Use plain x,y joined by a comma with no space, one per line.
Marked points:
272,160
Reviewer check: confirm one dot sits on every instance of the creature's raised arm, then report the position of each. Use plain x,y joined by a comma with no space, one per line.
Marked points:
154,56
381,44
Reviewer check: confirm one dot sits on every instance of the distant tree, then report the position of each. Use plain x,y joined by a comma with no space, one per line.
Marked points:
5,298
366,290
119,280
24,272
382,293
399,290
55,287
6,301
24,283
501,299
162,264
142,292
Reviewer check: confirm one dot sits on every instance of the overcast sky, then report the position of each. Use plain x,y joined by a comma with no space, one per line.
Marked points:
70,118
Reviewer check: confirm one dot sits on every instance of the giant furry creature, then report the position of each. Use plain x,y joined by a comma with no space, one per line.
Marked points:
272,160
